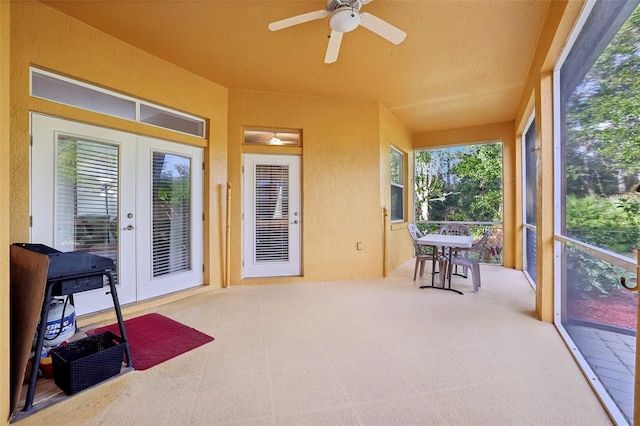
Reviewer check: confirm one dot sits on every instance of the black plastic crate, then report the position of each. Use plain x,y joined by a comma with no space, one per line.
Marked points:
86,362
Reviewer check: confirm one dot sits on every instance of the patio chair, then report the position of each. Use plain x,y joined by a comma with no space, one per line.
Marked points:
422,253
460,257
457,229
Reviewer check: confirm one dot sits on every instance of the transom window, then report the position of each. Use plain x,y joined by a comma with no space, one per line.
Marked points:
72,92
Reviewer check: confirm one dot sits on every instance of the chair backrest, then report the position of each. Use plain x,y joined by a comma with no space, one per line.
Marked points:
414,231
455,229
419,250
479,244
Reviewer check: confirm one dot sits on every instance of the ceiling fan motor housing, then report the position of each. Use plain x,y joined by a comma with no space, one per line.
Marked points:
333,5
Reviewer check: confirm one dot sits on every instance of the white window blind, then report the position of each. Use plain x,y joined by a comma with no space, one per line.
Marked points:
86,197
272,213
171,214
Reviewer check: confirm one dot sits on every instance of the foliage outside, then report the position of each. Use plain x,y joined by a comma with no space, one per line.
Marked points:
171,213
602,147
462,184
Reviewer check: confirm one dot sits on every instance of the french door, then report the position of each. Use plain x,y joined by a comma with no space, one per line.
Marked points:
271,228
134,199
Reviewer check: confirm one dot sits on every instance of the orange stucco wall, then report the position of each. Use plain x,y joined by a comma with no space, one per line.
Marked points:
340,180
340,155
44,37
537,99
392,133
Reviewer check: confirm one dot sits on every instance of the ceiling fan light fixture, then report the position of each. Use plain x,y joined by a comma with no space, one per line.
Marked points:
344,20
275,140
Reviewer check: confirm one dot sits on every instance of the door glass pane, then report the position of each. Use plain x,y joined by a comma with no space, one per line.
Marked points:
87,197
171,213
600,145
271,213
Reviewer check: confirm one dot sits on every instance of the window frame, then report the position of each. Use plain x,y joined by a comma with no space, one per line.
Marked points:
140,111
402,174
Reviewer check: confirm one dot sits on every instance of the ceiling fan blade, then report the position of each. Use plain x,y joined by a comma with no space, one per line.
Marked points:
382,28
298,19
333,48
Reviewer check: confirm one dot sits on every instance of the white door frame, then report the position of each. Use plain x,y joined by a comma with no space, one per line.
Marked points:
291,265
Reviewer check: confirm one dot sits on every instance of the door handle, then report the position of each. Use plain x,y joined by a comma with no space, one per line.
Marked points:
295,222
623,283
128,228
623,280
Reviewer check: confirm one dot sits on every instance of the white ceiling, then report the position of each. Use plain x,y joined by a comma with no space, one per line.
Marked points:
463,63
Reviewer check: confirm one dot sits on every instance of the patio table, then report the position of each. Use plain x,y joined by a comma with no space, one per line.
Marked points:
448,243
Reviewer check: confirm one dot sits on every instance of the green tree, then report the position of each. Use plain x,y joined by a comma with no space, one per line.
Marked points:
480,182
603,146
459,184
612,223
429,184
603,119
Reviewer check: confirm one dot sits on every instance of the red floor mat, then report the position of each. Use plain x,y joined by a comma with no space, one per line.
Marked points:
154,338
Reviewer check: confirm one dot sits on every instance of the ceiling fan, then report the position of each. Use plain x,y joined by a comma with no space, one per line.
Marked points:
344,17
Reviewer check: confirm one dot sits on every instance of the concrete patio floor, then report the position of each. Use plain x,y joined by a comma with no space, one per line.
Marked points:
359,352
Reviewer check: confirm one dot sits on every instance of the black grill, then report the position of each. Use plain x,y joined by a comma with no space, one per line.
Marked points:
74,271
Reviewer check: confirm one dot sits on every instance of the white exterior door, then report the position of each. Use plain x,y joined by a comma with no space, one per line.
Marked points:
135,200
271,215
169,211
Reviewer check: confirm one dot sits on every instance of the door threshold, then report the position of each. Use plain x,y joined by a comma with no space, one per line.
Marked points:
131,309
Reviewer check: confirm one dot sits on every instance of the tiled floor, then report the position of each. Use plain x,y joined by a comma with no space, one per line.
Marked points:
367,352
611,356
